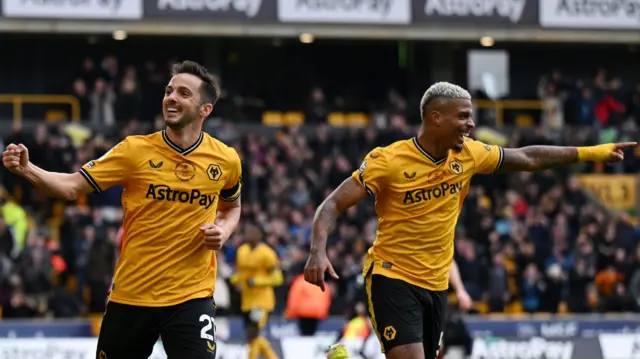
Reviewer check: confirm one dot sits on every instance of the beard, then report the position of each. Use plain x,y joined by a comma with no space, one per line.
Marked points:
182,122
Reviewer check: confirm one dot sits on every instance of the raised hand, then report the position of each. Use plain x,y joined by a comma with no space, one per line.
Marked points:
16,158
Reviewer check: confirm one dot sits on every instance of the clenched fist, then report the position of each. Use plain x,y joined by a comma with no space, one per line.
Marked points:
16,158
214,236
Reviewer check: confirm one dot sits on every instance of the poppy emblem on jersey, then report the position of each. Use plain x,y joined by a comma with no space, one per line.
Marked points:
102,355
214,172
435,176
409,177
155,166
389,333
455,167
185,171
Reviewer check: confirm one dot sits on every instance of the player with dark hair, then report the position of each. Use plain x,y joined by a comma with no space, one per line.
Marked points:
419,187
181,201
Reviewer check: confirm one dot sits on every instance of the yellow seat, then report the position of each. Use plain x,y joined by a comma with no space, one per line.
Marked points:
481,307
514,307
55,116
524,121
337,119
357,119
272,118
293,118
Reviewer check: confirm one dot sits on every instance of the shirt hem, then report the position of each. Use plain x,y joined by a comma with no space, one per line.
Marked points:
155,303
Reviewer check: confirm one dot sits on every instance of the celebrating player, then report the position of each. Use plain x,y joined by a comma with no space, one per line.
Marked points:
419,185
181,201
258,273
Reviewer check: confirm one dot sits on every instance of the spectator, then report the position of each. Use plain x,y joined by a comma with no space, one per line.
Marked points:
308,304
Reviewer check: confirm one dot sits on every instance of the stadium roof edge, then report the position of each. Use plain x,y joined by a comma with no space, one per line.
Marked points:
208,28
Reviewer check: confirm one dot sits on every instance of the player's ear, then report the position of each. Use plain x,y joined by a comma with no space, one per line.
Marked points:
205,109
435,117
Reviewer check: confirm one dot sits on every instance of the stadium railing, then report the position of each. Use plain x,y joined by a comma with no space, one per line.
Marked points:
18,101
516,112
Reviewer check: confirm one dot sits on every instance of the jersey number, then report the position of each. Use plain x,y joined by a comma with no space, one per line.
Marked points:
210,324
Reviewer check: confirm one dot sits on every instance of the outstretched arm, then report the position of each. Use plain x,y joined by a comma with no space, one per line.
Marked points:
536,158
65,186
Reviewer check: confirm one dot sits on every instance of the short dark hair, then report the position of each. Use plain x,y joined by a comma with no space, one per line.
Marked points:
209,90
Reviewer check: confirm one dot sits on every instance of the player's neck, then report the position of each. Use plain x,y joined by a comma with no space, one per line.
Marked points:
185,137
431,145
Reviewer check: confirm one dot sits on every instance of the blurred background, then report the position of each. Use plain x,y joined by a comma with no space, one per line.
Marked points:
550,259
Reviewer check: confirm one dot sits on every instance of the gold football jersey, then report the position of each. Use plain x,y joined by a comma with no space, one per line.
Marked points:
256,262
169,192
418,202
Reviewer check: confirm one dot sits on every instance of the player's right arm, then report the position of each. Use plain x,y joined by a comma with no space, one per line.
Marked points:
368,180
65,186
96,176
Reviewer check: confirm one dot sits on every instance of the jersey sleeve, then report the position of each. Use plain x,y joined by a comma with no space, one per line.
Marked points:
233,187
271,259
109,170
488,158
372,174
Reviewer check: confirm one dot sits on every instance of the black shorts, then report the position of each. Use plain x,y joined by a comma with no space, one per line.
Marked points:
187,330
402,313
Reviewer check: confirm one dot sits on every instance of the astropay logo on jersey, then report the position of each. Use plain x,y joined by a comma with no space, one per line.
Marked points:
345,11
73,9
594,14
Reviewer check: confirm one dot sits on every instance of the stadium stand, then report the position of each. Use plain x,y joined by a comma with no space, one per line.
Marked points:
561,242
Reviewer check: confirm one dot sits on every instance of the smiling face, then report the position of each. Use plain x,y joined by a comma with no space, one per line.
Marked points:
453,121
182,101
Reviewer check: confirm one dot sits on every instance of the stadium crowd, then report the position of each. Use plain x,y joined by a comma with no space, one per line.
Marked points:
525,242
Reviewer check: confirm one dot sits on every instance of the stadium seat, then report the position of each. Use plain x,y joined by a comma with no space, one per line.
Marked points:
481,307
55,116
357,119
514,307
336,119
293,118
272,118
72,283
17,193
524,120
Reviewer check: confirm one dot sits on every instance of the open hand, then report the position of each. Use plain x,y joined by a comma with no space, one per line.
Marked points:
316,266
16,158
214,236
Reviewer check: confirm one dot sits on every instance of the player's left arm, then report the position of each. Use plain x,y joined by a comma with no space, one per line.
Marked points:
536,158
454,277
464,300
229,207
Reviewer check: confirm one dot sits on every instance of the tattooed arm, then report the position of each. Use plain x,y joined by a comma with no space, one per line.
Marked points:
346,195
536,158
